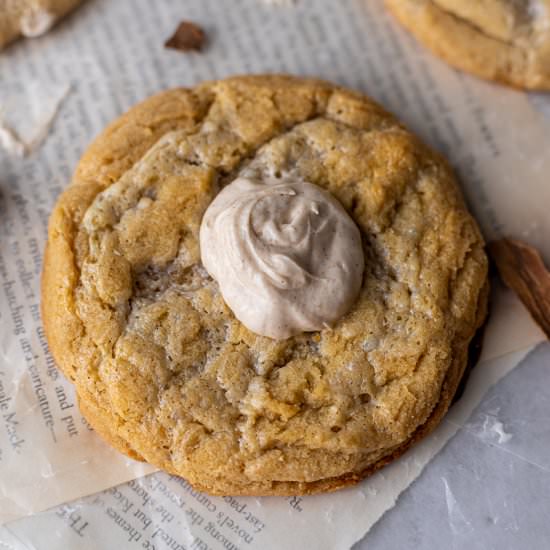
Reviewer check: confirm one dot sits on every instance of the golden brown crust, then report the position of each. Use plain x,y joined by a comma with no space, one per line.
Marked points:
500,40
162,368
448,394
21,16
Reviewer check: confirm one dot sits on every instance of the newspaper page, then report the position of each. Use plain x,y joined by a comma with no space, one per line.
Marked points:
109,55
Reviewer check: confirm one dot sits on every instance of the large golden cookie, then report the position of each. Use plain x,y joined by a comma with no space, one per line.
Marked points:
162,368
503,40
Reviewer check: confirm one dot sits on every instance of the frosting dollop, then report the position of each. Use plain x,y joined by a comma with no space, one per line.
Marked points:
286,255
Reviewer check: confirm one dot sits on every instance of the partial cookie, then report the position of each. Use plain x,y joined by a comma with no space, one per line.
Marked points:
502,40
163,369
30,17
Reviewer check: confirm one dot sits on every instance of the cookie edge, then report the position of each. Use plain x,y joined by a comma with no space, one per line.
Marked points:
439,39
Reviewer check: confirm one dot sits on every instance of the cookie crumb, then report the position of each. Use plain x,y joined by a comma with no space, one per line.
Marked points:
188,36
521,268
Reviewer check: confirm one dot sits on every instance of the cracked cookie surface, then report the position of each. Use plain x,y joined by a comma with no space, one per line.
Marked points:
162,368
503,40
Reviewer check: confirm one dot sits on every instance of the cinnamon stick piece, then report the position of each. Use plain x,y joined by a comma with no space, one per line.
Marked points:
521,268
188,36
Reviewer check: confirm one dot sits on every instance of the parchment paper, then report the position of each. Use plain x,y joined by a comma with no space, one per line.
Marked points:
110,54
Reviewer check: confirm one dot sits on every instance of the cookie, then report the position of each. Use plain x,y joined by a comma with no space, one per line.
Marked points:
502,40
163,369
30,17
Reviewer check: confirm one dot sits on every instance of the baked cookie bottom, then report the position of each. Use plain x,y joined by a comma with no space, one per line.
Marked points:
521,61
453,387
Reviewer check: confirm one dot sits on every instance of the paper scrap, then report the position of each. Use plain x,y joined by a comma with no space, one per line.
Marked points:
27,112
